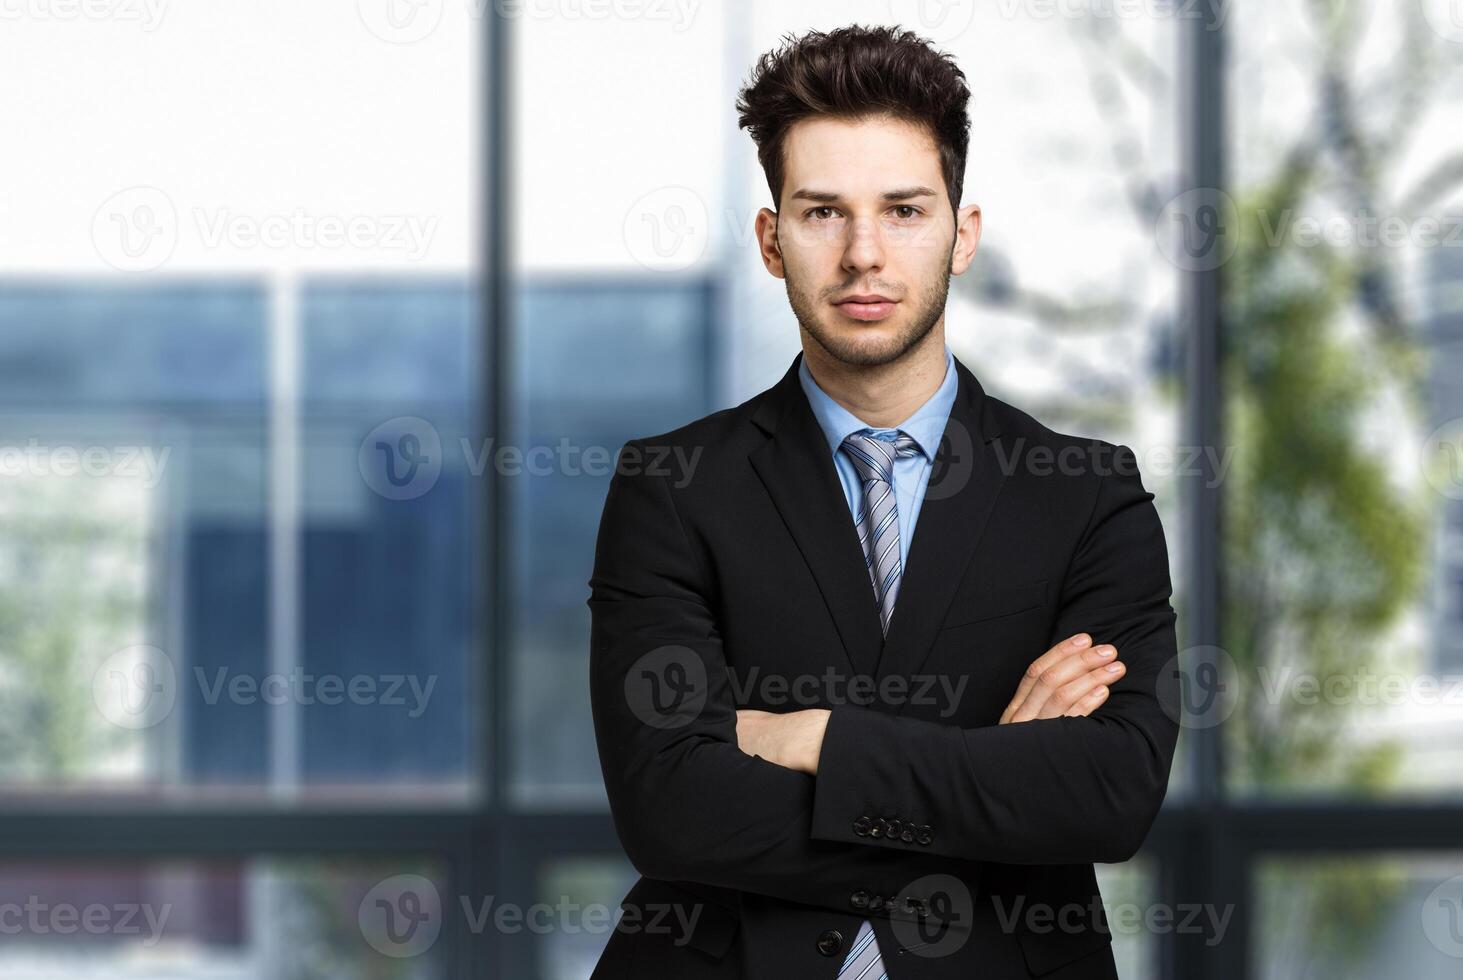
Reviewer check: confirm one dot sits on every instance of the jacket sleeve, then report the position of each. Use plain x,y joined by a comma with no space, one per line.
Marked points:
1050,791
688,804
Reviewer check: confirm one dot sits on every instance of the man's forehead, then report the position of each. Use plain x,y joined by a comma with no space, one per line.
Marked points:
869,157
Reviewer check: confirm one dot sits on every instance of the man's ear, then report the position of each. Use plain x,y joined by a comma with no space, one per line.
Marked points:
967,238
767,243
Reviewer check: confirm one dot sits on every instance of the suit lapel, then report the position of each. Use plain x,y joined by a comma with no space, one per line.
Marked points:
797,469
964,483
796,466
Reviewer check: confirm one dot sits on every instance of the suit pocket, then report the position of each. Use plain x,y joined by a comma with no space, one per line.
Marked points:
1058,924
1045,952
993,603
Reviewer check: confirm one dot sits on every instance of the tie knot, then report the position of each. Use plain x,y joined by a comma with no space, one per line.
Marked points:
873,458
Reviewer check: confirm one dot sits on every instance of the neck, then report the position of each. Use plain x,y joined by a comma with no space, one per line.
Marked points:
882,395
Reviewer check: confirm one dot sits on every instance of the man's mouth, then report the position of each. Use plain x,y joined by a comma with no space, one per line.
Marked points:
867,306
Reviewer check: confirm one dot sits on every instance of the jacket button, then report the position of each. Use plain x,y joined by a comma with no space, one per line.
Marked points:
877,830
924,835
906,835
861,826
894,828
876,904
859,899
830,942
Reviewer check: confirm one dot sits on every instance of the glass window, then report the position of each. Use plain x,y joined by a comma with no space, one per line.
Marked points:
1354,916
1137,917
241,292
598,364
588,892
1342,401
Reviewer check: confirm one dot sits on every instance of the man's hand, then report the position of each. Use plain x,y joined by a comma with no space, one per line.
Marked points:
1069,679
793,740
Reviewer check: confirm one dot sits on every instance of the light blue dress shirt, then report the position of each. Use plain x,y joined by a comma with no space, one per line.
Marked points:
912,473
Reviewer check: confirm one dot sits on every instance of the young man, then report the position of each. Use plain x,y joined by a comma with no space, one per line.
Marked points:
832,742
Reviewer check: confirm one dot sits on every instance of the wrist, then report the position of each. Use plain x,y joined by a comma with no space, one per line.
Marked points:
817,725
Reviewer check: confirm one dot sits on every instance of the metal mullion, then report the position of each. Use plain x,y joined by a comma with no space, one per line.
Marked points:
481,954
1199,867
1203,109
1284,827
144,833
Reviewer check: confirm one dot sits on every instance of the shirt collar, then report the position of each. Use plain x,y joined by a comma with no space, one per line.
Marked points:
925,426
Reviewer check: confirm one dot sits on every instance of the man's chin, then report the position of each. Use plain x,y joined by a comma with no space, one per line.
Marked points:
866,345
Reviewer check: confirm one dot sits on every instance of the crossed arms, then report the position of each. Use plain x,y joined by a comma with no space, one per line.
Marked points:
690,804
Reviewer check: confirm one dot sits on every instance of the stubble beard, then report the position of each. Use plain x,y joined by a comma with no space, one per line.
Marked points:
845,344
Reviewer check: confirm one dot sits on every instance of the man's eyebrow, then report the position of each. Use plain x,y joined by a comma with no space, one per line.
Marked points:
831,197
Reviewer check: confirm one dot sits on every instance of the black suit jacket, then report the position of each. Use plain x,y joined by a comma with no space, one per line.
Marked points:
728,574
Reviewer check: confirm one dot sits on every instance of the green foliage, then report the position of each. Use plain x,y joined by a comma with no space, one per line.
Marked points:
74,592
1323,550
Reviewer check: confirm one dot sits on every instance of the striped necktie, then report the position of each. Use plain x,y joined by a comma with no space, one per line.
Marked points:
878,531
878,524
864,961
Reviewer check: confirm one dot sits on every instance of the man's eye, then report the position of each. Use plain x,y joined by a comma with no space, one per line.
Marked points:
905,212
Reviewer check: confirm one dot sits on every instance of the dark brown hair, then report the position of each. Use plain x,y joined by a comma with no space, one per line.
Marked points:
850,73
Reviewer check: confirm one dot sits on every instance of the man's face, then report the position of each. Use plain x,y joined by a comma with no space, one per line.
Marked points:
864,215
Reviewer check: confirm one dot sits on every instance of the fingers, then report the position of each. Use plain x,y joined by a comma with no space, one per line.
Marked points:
1081,697
1062,677
1099,662
1071,645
